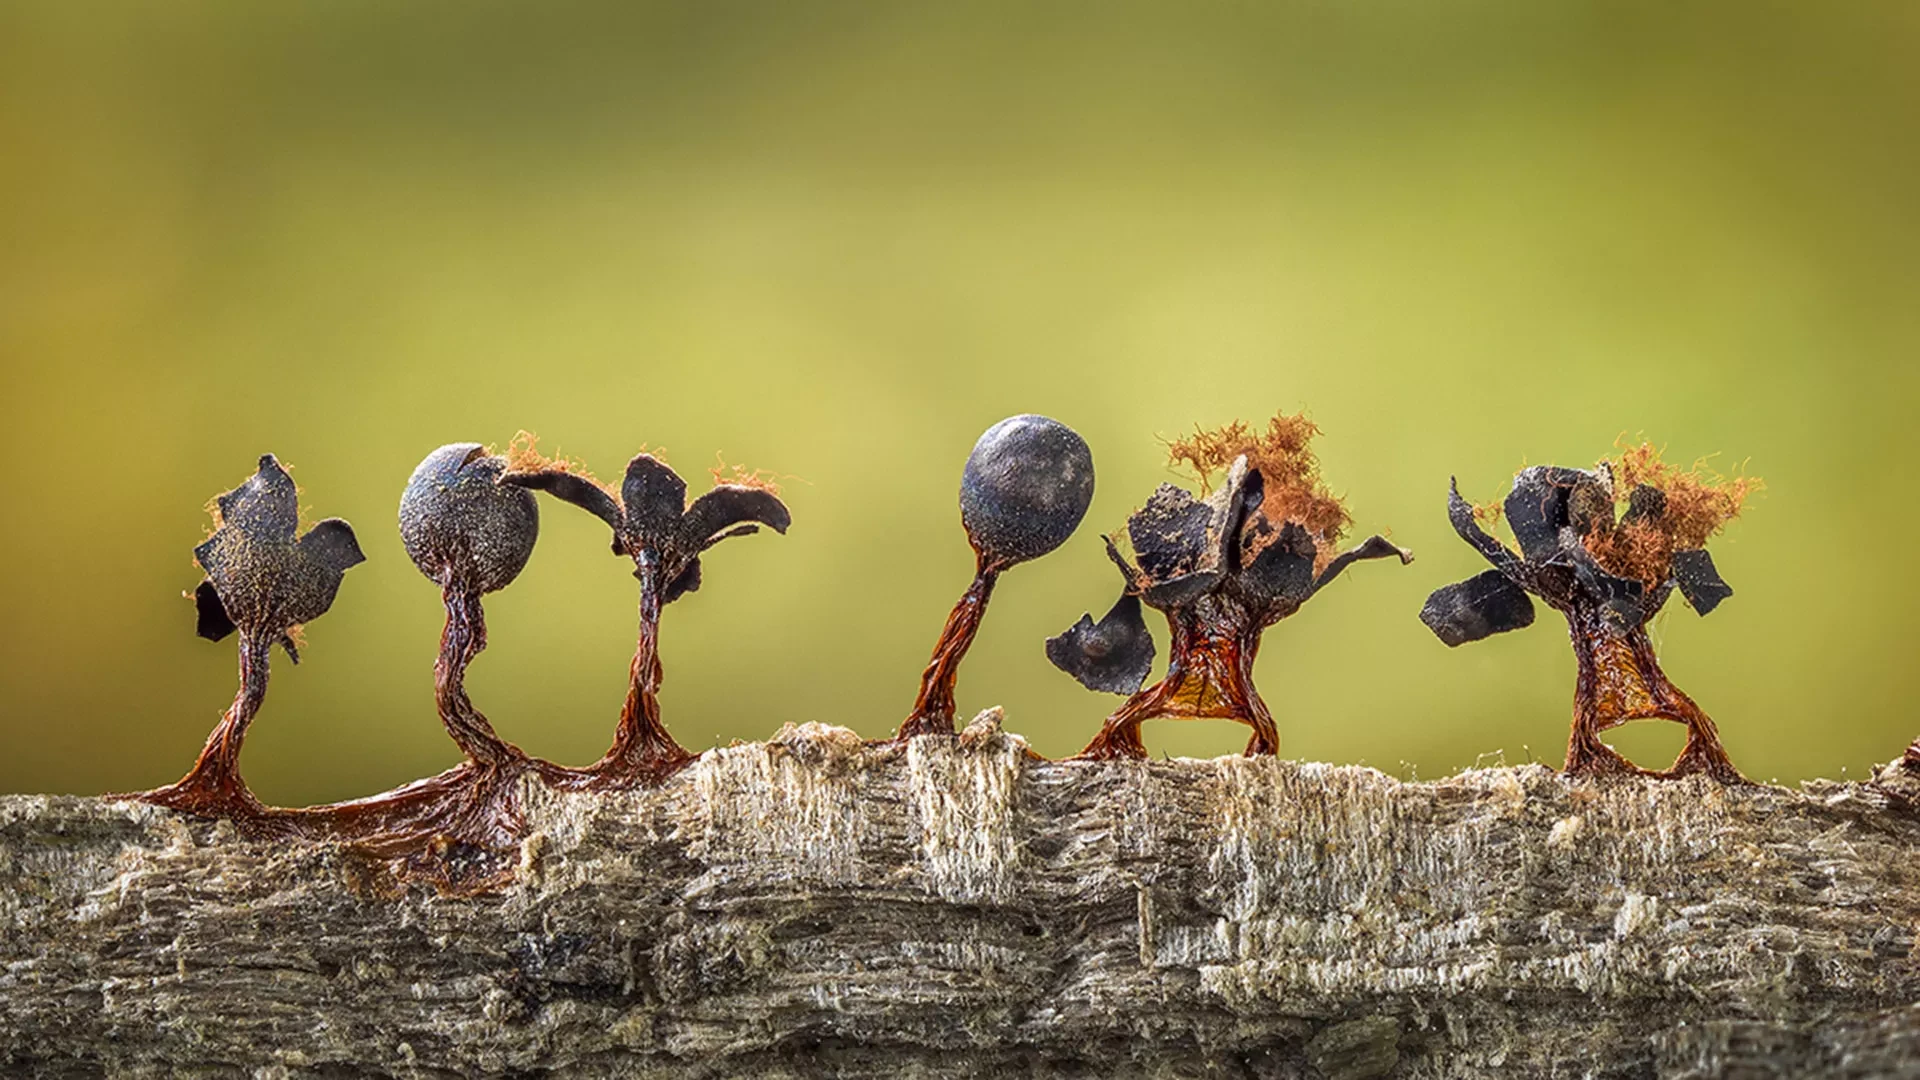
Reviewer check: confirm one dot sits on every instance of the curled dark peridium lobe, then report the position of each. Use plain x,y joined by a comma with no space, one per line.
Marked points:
1605,547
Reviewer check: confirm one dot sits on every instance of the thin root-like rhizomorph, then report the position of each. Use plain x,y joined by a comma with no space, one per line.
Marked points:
1221,570
1609,573
263,581
653,524
1026,485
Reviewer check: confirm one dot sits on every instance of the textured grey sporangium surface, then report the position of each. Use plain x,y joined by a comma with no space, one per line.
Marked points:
815,906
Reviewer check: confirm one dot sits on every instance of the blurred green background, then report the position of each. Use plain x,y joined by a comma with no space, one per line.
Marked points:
837,242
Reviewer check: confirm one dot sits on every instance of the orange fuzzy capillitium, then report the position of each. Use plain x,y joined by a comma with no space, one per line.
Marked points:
1293,489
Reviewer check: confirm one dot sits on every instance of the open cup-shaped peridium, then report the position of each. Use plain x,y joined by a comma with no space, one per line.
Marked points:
470,535
1222,570
1606,548
1024,490
262,581
664,535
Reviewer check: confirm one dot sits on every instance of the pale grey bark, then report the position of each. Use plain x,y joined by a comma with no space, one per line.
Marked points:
814,906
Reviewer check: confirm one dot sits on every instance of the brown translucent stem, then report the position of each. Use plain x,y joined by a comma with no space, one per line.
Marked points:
642,751
463,638
1265,739
213,787
933,710
1209,676
1619,680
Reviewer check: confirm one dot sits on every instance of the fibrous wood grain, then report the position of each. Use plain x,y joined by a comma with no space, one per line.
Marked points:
817,906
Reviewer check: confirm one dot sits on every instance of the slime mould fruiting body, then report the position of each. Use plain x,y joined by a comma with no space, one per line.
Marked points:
1609,573
1026,485
264,582
655,526
470,535
1221,570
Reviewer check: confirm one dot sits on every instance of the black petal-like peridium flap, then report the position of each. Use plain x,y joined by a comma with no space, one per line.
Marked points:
1113,655
213,623
266,505
327,551
1460,513
1282,574
1183,544
572,488
688,580
331,544
653,497
1175,545
1625,598
1536,508
1699,581
1478,607
1374,547
262,579
722,512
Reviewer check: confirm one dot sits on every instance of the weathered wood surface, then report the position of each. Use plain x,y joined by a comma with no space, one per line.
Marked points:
813,906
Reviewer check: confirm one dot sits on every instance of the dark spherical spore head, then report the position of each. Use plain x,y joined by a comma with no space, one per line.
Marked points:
1026,486
462,527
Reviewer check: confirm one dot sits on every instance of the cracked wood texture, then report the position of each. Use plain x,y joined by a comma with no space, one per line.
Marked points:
957,907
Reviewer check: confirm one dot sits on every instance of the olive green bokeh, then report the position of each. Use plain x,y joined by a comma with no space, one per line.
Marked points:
837,242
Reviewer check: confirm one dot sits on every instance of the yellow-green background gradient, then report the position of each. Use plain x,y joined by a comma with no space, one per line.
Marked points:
837,242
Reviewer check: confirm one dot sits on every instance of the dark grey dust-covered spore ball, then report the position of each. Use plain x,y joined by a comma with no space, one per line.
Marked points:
1026,486
462,527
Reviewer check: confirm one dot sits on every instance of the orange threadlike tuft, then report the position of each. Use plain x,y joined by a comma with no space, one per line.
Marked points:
523,456
1699,503
740,476
1638,550
1284,455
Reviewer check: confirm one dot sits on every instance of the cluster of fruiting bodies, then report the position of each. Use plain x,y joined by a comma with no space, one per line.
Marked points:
469,520
1605,547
